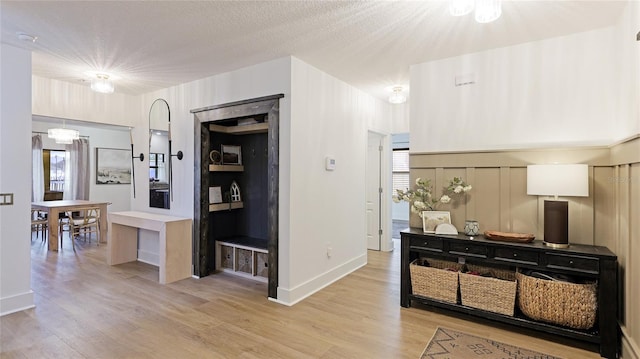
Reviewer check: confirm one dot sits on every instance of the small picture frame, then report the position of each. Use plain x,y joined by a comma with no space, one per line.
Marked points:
231,155
431,220
215,195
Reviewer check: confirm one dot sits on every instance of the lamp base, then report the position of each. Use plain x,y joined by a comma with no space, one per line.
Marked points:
556,224
556,245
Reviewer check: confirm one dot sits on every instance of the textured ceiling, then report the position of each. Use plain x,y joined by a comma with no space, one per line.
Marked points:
369,44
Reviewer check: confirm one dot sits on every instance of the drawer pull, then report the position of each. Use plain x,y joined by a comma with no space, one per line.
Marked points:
515,254
570,262
466,249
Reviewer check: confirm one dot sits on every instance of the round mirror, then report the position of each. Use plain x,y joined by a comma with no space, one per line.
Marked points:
159,118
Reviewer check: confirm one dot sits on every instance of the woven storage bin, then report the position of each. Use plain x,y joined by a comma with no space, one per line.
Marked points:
569,304
494,294
435,281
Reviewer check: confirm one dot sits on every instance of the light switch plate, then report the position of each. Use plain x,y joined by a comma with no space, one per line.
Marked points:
6,199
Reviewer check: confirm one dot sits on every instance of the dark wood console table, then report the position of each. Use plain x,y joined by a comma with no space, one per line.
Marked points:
593,262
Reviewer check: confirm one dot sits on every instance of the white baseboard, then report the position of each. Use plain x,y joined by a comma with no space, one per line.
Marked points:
630,349
16,303
294,295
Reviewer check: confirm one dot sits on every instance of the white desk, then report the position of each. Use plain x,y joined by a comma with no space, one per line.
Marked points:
174,235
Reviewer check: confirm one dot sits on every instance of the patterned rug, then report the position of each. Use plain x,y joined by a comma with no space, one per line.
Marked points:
451,344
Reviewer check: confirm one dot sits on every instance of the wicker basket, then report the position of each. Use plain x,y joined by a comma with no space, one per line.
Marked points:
435,281
494,294
569,304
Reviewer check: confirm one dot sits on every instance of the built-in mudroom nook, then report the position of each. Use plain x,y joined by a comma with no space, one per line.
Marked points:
236,190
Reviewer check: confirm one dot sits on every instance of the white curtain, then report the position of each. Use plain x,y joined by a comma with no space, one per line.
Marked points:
37,170
77,175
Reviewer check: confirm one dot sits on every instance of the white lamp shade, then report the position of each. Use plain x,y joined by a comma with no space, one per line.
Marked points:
570,180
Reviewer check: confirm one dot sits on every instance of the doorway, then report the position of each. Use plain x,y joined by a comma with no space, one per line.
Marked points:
373,175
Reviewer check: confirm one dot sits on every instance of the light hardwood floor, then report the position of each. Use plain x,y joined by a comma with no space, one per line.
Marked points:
87,309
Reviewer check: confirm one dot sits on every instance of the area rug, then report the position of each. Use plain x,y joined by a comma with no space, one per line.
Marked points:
451,344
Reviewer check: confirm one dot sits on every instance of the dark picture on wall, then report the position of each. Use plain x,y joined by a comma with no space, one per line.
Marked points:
113,166
231,155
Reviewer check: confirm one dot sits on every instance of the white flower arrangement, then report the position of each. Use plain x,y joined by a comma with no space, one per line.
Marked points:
421,198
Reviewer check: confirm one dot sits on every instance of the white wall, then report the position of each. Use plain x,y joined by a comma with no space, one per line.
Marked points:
328,118
315,206
63,99
400,117
15,152
628,72
118,194
560,91
263,79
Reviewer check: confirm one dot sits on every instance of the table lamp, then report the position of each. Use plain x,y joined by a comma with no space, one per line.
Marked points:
567,180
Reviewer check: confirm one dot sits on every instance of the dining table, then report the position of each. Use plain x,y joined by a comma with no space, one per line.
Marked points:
54,208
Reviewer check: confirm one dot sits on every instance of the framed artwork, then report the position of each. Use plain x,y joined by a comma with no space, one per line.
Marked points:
215,195
231,155
431,219
113,166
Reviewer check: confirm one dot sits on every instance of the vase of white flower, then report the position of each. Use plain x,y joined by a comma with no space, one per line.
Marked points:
421,199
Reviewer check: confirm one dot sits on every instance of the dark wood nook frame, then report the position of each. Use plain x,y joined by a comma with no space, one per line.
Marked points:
204,251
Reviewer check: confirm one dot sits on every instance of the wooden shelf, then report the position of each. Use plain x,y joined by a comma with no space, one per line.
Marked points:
216,207
226,168
241,130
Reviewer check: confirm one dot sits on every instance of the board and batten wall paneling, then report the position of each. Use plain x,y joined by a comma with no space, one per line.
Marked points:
609,216
632,182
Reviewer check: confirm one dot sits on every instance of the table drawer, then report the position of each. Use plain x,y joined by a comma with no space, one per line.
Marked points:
514,255
574,263
468,249
427,243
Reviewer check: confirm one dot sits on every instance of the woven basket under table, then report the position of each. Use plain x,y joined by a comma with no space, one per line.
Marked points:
494,294
435,281
569,304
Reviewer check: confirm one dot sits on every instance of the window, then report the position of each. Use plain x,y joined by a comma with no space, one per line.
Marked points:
156,164
54,165
400,172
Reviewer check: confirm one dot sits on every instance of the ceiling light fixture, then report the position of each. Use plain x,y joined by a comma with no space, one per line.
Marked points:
26,37
397,96
460,7
488,10
63,135
102,84
485,10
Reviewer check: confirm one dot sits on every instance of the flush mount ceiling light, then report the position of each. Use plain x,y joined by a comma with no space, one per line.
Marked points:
102,84
485,10
460,7
26,37
397,96
63,135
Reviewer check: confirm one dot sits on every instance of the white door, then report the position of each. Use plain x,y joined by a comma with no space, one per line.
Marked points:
374,191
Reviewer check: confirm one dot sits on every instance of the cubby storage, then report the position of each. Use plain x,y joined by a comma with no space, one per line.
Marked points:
236,257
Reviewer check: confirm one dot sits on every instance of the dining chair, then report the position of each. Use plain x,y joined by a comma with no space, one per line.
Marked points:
87,223
39,223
